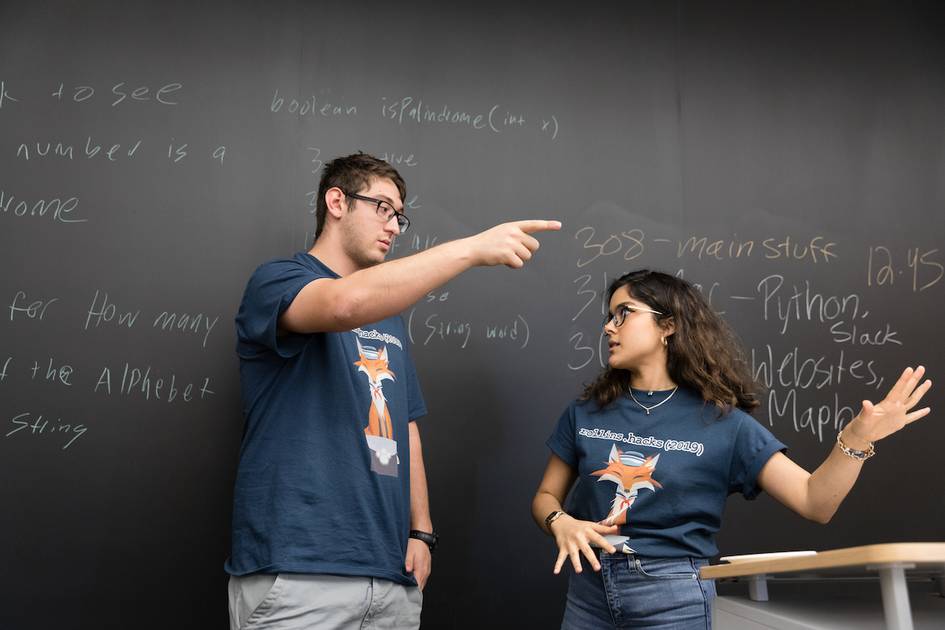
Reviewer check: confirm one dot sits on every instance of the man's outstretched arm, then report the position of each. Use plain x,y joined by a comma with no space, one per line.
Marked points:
378,292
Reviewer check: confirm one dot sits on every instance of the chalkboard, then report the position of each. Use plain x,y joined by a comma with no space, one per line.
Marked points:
788,159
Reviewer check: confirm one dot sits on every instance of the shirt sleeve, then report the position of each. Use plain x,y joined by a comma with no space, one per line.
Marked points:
754,446
269,292
561,441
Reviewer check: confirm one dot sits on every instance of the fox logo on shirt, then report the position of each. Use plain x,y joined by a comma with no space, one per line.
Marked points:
379,431
631,472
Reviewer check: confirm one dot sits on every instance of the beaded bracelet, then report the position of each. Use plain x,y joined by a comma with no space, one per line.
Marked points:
859,456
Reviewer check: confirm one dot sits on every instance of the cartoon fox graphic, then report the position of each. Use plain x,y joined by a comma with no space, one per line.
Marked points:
631,472
375,366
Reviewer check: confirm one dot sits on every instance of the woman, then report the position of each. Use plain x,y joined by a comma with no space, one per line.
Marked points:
659,441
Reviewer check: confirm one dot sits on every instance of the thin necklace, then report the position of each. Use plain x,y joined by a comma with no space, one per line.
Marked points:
645,408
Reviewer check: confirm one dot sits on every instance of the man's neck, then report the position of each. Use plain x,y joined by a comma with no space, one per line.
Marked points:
332,255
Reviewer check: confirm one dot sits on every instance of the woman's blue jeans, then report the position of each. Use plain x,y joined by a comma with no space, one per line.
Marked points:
634,592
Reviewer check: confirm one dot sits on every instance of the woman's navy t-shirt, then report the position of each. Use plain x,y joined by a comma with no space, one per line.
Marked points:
663,477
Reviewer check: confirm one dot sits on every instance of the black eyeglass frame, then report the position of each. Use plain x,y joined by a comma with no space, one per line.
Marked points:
402,221
624,310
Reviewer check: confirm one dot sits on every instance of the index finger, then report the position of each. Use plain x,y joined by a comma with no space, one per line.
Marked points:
536,225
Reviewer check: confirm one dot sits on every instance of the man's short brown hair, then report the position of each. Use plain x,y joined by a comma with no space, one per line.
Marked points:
353,173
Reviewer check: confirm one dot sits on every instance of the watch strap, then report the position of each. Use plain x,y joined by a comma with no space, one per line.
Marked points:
430,538
551,518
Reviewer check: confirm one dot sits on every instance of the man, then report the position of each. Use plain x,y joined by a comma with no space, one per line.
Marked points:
331,525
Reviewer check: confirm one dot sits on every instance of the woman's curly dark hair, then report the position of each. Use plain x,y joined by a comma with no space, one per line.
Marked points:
703,353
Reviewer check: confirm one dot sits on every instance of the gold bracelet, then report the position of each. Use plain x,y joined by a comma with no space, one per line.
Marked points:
551,518
859,456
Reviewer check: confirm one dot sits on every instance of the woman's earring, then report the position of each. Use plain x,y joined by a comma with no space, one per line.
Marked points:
663,339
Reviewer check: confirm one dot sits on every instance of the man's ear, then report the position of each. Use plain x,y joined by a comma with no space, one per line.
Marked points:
335,201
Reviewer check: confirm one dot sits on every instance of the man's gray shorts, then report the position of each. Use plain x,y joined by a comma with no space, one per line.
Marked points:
291,601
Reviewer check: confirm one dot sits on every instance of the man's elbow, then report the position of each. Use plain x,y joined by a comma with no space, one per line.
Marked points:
820,517
345,312
330,310
342,317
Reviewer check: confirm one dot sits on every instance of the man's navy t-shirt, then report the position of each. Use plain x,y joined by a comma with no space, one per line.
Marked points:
663,476
324,473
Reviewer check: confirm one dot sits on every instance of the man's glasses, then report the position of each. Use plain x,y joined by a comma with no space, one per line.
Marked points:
384,210
620,314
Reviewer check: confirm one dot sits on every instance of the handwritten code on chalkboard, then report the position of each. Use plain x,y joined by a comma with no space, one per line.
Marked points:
151,156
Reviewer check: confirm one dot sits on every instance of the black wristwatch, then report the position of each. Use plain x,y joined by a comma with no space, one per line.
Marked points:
430,538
